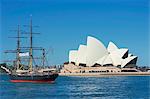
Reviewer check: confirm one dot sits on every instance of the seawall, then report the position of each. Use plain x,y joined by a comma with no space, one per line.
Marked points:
107,74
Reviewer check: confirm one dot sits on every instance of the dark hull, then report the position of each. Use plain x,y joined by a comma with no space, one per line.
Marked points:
33,78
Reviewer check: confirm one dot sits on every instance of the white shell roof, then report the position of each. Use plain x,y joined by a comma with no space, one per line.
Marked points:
101,60
127,60
81,55
116,60
72,55
117,55
119,52
130,55
122,52
108,60
105,60
111,47
95,50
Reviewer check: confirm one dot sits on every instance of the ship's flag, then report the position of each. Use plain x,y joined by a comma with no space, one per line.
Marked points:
24,54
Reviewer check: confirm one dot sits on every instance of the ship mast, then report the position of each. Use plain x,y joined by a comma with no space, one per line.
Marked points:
31,49
18,48
43,57
17,62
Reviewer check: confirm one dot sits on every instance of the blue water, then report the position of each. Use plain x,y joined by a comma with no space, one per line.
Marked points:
79,88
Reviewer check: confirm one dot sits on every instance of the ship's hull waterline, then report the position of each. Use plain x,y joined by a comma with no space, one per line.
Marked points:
33,78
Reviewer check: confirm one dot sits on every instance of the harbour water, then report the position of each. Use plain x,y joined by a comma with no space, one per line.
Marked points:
123,87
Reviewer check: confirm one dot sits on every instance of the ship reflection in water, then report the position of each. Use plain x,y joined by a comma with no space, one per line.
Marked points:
124,87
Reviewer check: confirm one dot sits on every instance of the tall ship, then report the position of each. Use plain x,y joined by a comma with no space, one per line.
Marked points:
30,71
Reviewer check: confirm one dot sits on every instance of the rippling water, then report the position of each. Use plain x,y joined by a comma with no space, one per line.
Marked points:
79,87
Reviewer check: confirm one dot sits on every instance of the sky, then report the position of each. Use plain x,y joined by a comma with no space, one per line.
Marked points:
64,24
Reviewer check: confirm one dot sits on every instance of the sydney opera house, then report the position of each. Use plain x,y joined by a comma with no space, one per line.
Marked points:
95,57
